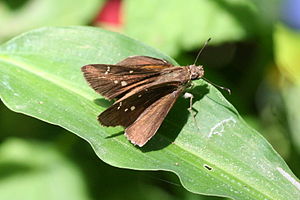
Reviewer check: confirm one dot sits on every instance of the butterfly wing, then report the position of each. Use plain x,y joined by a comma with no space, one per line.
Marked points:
113,81
147,124
126,110
144,97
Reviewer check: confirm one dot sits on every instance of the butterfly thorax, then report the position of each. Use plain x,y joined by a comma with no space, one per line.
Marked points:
196,72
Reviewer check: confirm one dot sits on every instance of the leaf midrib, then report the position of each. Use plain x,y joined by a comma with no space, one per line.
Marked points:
47,76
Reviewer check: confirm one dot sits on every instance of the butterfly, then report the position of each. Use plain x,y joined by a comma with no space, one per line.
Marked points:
145,89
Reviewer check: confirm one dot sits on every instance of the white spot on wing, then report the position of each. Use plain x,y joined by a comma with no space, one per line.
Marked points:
107,69
139,96
119,105
132,108
126,110
289,177
123,83
218,129
130,71
116,82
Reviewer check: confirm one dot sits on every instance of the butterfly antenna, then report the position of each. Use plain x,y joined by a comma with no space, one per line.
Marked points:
199,53
218,86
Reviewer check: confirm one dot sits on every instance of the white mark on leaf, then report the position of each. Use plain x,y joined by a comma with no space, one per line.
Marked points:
218,129
8,86
21,107
289,177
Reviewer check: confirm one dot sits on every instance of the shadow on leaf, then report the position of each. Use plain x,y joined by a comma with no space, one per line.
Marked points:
103,102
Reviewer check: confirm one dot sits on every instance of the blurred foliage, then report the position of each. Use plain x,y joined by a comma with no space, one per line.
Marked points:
173,27
249,53
37,169
287,51
17,16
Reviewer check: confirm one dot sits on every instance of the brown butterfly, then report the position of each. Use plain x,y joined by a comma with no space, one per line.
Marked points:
145,89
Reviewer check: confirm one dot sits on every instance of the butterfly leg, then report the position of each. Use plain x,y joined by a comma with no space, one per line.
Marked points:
189,96
190,109
190,85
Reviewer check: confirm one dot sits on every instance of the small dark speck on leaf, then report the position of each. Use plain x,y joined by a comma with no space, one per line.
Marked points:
207,167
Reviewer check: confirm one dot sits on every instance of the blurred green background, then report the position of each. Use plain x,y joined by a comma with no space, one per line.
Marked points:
255,51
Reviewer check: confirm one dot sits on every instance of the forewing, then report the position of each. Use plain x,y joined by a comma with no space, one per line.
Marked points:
112,81
146,125
143,60
126,111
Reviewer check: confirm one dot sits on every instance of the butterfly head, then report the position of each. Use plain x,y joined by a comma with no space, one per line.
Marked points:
196,71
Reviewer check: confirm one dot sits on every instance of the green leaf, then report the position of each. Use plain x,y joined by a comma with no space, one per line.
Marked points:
34,171
217,154
18,16
180,25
